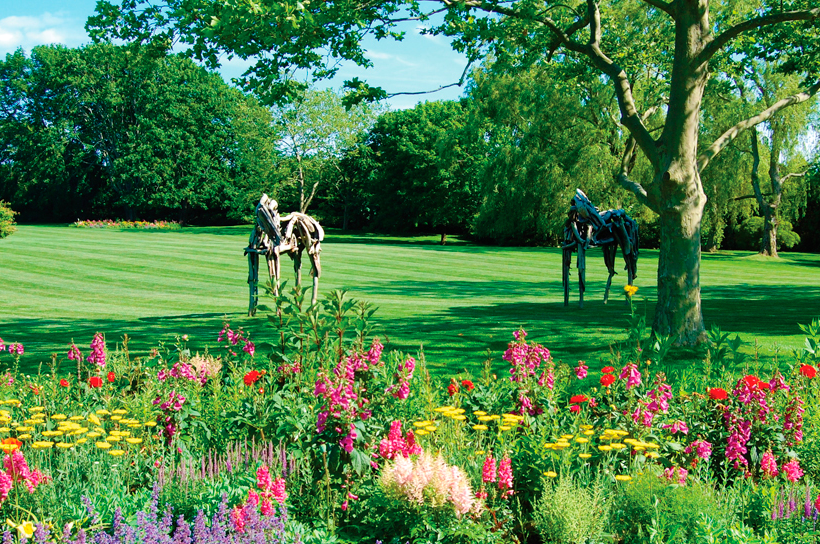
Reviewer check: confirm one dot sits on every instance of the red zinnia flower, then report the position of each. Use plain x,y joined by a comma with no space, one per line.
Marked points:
752,381
251,377
607,380
111,377
764,385
808,371
716,393
467,384
608,369
452,389
63,383
578,398
95,381
575,408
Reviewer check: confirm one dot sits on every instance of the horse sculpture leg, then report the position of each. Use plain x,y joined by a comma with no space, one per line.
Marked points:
609,260
297,265
567,263
253,282
316,271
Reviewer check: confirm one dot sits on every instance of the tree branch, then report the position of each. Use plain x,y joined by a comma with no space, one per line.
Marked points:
623,175
731,33
663,6
794,175
727,137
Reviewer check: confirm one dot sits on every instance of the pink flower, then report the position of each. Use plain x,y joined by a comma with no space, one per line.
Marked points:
581,370
793,470
817,503
520,334
278,491
5,485
488,470
632,375
676,473
677,427
702,448
238,519
74,353
505,476
249,348
97,356
768,465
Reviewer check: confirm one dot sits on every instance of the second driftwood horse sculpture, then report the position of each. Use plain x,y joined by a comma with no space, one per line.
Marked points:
274,235
587,227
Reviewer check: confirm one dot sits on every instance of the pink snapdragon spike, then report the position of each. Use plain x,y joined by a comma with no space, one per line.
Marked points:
395,444
632,375
2,345
6,484
97,356
524,358
792,470
581,370
702,449
374,354
74,353
505,476
15,348
768,465
488,471
677,427
817,503
271,489
676,475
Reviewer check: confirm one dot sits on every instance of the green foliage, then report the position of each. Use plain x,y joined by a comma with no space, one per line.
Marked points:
648,509
105,132
751,230
7,223
572,514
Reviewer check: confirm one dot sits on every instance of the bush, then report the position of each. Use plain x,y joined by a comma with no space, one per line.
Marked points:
571,514
7,227
750,234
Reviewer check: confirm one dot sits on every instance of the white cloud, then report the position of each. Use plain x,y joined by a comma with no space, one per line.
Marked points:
48,28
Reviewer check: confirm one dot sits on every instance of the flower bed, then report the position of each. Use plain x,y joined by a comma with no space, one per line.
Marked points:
324,436
109,223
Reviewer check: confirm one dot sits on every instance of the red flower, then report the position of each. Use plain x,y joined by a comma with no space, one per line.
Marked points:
452,389
63,383
808,371
575,408
608,369
578,398
467,384
13,442
607,380
764,385
717,393
251,377
752,381
95,381
111,377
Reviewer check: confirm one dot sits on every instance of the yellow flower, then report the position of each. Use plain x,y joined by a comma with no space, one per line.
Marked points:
113,438
585,427
480,452
617,446
421,432
94,419
135,425
116,418
81,430
548,445
485,418
514,417
567,436
24,429
480,427
25,530
150,424
623,477
605,448
458,411
459,417
76,418
117,453
94,435
422,423
4,429
103,445
120,411
431,428
652,454
52,433
443,409
581,440
639,448
134,440
630,290
103,413
504,427
82,441
65,445
584,455
23,437
34,408
479,413
59,417
33,421
551,474
8,448
589,433
494,417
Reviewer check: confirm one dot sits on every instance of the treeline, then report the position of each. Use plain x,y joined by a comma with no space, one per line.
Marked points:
105,131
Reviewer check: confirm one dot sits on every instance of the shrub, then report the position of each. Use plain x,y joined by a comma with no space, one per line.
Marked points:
7,227
571,514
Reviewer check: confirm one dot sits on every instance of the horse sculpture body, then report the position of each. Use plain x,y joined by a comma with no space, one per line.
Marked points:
274,235
587,227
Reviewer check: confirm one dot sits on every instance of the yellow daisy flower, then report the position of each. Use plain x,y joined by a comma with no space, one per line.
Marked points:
103,445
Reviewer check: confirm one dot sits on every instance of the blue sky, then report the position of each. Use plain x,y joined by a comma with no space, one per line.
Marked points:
419,63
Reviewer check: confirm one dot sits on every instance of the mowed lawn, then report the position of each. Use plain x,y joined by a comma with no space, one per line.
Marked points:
59,284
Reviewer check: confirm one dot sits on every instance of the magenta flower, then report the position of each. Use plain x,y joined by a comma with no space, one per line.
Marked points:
632,375
792,470
505,476
677,427
488,470
768,465
97,356
581,370
702,449
249,348
74,353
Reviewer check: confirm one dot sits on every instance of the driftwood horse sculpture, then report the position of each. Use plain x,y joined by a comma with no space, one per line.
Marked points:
274,235
587,227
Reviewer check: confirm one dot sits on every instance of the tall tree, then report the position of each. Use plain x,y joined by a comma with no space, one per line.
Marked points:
316,128
681,37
